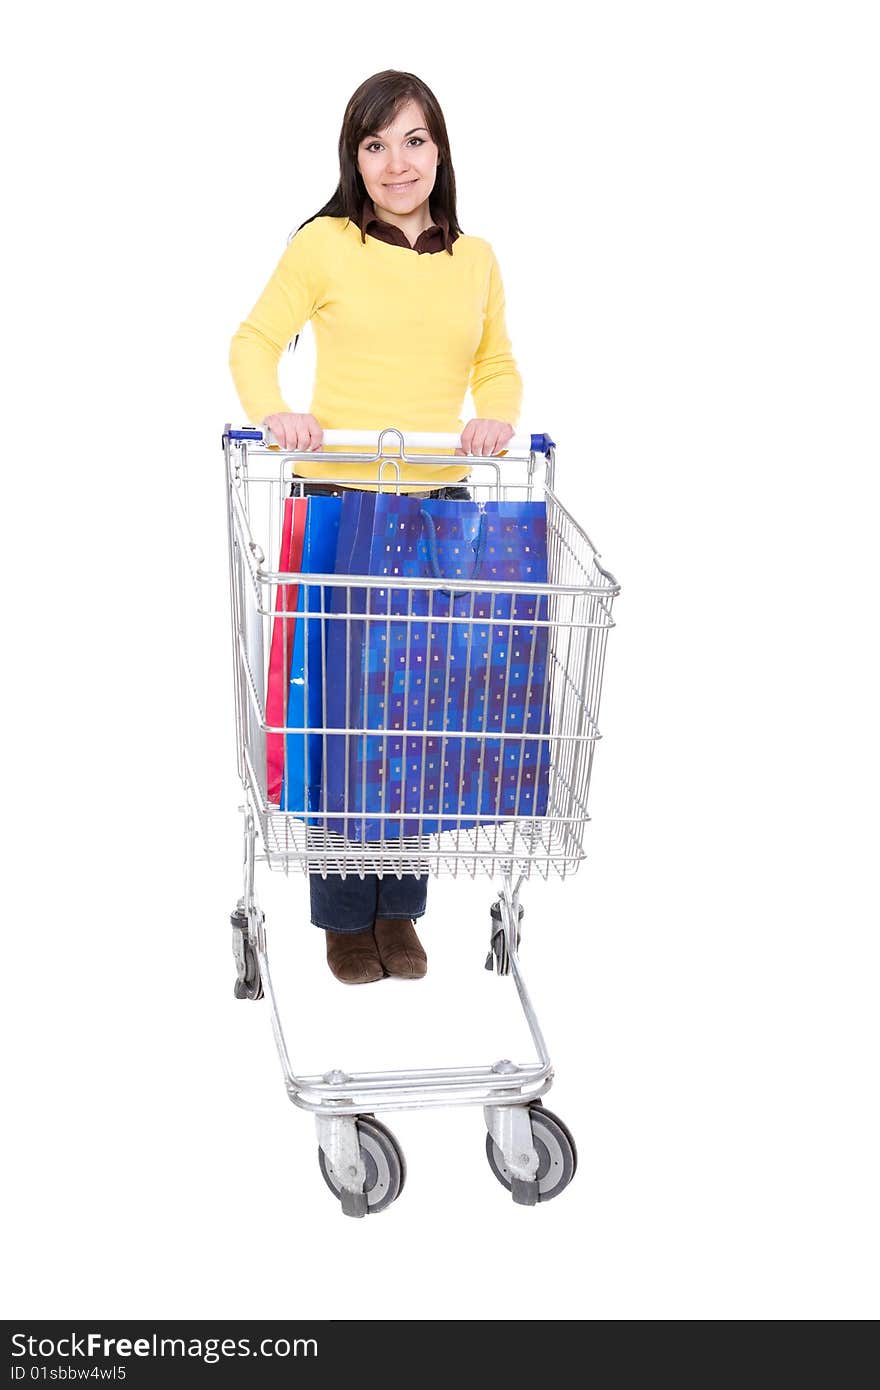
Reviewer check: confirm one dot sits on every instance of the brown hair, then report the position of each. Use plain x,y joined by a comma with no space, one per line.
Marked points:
372,107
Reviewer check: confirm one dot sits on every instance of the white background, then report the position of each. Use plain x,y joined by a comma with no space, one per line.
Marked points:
683,201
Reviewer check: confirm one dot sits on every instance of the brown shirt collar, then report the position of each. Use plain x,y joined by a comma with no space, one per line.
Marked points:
437,237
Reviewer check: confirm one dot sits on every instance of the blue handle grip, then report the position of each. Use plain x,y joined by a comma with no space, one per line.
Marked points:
542,443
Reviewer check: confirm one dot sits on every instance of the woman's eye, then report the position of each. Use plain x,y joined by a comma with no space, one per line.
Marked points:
375,143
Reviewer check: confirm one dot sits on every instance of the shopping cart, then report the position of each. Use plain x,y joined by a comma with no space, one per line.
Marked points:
529,1149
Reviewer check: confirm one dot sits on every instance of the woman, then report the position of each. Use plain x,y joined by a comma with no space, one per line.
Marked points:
407,314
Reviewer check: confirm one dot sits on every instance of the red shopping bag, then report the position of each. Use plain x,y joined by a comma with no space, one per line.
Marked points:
292,532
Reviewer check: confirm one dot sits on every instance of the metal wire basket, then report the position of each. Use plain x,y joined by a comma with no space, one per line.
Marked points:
573,618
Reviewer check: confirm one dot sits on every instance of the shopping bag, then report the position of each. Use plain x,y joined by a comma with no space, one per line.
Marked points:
499,686
344,647
424,670
301,787
292,532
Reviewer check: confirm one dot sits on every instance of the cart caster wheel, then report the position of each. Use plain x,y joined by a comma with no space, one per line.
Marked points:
385,1164
251,987
498,958
557,1154
249,984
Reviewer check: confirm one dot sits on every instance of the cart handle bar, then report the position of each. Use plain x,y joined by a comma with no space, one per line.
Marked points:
521,443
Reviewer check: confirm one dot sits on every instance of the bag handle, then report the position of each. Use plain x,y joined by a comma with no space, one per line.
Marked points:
430,531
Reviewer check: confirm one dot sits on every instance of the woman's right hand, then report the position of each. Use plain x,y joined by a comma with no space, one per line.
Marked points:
299,432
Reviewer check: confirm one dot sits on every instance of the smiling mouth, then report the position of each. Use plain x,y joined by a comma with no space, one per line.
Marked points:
408,184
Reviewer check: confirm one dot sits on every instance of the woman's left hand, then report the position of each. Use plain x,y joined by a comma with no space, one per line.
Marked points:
485,437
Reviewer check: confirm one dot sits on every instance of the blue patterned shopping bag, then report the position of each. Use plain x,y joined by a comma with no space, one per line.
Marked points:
437,684
346,635
498,685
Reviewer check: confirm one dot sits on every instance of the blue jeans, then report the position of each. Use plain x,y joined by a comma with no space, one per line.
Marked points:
352,904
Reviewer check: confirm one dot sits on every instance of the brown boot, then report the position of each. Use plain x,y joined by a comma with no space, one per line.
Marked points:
353,957
401,952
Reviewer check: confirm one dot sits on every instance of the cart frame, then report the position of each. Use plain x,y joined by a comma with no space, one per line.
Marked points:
509,849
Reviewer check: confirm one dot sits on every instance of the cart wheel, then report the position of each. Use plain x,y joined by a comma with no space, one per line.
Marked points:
498,958
392,1138
383,1159
251,987
557,1154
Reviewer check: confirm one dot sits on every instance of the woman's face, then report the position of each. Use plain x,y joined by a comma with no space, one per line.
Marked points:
399,164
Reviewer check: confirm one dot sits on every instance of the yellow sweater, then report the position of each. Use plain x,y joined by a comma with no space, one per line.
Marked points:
399,338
